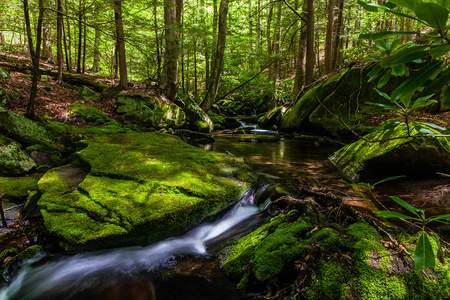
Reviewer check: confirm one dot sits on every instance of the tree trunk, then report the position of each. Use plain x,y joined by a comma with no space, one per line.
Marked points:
80,36
299,70
158,47
47,53
69,42
172,17
250,26
258,28
84,45
338,41
59,50
123,83
276,47
216,73
328,64
35,54
269,21
309,64
96,64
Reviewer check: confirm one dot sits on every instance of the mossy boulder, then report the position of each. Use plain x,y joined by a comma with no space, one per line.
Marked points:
345,95
400,155
271,118
30,132
198,120
3,98
18,187
141,187
292,258
217,119
88,94
13,160
150,111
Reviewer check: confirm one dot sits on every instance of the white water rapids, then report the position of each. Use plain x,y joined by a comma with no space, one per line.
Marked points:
70,276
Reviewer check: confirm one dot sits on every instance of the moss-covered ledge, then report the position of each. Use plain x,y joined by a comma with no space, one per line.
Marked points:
399,155
141,187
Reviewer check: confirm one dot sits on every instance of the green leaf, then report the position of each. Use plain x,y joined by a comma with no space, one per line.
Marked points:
415,81
374,73
405,56
424,130
443,3
434,126
446,98
440,217
384,35
385,106
406,205
384,79
389,179
409,4
382,94
422,102
437,84
392,214
400,69
433,14
424,256
371,7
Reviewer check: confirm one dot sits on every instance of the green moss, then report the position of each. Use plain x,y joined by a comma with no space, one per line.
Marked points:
331,283
404,155
217,119
142,187
17,186
90,114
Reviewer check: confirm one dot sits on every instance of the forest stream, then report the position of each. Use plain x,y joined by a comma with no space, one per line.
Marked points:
184,267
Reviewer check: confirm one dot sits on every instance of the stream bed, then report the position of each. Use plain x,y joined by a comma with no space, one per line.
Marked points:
183,267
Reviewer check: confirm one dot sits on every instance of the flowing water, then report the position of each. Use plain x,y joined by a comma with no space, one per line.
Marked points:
180,267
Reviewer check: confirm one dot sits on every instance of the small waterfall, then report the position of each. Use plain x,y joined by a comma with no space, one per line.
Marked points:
77,276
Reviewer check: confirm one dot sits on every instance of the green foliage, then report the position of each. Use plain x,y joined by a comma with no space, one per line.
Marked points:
90,114
430,74
424,256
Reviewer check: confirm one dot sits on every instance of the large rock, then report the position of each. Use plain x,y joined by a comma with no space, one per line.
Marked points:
142,187
150,111
412,156
345,95
13,161
89,95
29,132
197,118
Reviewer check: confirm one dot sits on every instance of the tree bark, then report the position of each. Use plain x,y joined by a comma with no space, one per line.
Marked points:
35,55
96,64
328,63
299,69
338,41
309,64
123,82
172,17
80,35
216,73
59,50
69,42
158,47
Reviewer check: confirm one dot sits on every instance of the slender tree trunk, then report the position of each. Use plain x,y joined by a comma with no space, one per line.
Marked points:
300,60
276,47
328,64
258,28
158,47
309,64
35,54
69,42
59,50
268,30
80,35
47,53
211,94
195,68
96,64
84,45
250,26
123,83
2,38
338,40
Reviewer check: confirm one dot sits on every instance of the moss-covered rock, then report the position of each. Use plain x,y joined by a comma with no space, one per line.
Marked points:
150,111
271,118
198,120
296,116
88,94
14,161
18,187
290,257
141,187
90,114
30,132
217,119
415,156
